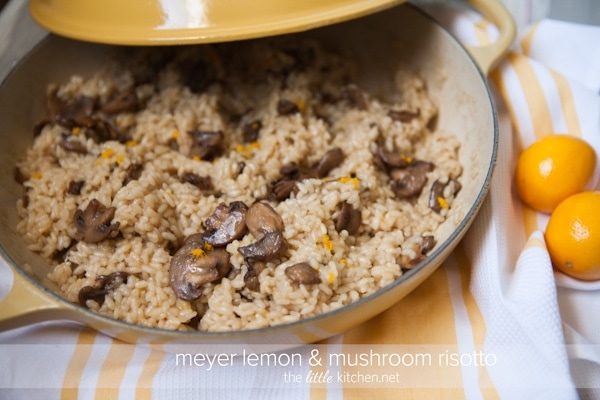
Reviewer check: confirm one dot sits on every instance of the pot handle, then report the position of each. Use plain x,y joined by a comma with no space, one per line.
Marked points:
487,56
23,305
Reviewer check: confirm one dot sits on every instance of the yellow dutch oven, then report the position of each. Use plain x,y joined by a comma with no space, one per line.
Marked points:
455,77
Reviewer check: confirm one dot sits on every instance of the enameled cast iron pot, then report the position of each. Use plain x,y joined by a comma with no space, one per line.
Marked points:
402,35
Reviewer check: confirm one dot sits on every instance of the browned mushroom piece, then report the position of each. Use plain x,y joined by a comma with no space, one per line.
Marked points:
19,176
251,130
354,96
192,267
39,127
226,224
197,238
436,196
392,159
201,182
437,201
93,223
272,245
223,265
427,244
403,115
330,160
349,219
251,277
77,112
287,107
75,187
103,285
125,101
290,169
282,188
133,173
303,274
102,130
206,145
72,144
261,218
293,173
408,182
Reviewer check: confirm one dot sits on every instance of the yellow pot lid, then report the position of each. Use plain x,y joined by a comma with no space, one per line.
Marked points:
157,22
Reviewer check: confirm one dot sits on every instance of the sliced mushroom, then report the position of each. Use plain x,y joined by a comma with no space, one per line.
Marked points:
201,182
349,219
75,187
393,159
126,101
287,107
403,115
93,223
223,265
409,181
330,160
226,224
427,243
39,127
196,238
282,188
436,196
207,145
293,173
251,277
251,130
261,219
437,201
104,284
303,274
102,130
133,173
271,246
192,267
19,176
77,112
72,144
354,96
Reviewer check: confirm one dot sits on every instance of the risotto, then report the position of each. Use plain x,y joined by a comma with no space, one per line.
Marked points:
233,186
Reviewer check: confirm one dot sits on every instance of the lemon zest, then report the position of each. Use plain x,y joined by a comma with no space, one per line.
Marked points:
197,252
246,150
327,243
330,277
208,246
300,103
348,179
442,202
108,153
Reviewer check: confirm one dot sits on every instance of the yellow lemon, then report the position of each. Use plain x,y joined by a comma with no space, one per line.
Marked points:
573,236
552,169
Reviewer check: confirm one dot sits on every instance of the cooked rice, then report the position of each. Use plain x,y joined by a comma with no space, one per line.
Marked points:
157,211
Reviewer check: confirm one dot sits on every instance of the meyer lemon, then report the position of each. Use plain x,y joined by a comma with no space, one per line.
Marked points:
573,236
552,169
